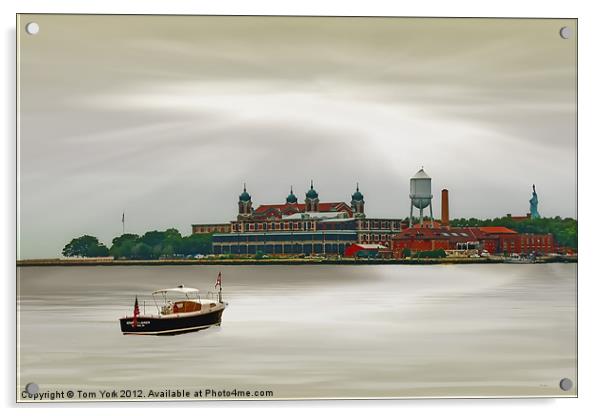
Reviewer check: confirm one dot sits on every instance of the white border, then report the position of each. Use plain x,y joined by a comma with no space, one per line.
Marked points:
589,150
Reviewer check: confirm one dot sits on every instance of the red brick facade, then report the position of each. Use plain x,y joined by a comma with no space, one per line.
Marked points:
492,239
527,243
210,228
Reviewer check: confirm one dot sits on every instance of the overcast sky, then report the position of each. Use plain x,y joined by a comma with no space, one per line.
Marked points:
166,117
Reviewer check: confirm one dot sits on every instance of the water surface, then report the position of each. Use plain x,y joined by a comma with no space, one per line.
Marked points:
310,331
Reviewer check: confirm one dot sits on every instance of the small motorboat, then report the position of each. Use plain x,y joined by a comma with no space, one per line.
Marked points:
179,310
518,259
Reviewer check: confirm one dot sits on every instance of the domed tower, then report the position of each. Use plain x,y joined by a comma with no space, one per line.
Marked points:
357,203
245,205
291,198
311,199
420,194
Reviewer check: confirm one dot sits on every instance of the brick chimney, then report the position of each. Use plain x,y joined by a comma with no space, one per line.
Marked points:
444,207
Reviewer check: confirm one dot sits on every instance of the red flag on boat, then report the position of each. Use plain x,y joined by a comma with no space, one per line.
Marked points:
136,313
218,281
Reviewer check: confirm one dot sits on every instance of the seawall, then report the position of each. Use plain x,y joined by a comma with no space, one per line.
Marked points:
276,261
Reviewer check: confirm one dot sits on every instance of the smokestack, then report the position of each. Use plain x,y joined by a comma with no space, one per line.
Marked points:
444,207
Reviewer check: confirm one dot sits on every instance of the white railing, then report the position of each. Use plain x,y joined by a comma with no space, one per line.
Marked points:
212,295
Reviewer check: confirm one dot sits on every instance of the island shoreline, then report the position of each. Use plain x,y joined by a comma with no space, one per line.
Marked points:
278,262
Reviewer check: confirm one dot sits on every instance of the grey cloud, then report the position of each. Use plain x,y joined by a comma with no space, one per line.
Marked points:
165,117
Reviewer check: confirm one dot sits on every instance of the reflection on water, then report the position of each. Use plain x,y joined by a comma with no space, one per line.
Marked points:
310,331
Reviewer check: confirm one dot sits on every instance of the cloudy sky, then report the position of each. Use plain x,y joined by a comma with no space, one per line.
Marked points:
166,117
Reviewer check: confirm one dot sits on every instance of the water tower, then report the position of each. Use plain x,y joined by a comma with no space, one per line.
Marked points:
420,194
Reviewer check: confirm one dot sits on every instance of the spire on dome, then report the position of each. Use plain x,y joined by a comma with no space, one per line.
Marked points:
311,194
291,198
244,197
357,196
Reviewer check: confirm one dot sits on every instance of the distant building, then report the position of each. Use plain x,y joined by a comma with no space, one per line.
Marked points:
533,212
519,217
312,227
367,251
210,228
492,239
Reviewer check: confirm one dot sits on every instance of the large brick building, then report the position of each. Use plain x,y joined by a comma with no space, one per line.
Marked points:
311,228
492,239
210,228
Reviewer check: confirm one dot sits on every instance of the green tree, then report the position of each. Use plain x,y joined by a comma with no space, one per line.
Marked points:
172,242
151,245
431,254
123,245
153,238
196,244
85,246
167,251
159,241
142,251
123,238
440,253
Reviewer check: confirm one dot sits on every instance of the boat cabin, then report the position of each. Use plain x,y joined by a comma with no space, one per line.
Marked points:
180,300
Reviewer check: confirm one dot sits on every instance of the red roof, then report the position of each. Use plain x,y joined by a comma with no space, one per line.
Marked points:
279,207
427,224
427,233
353,249
497,230
322,207
369,246
423,232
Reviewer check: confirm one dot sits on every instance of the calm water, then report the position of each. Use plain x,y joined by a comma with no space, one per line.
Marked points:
310,331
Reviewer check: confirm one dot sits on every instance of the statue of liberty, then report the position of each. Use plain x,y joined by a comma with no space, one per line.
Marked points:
534,201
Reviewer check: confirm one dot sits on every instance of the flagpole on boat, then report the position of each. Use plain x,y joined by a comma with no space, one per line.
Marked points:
219,281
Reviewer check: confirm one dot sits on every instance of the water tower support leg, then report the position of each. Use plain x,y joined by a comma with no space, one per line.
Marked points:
431,208
411,213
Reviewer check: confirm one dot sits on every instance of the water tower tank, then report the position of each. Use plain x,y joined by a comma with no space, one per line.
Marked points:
420,189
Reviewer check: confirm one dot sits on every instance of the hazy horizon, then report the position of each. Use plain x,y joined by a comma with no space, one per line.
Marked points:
165,117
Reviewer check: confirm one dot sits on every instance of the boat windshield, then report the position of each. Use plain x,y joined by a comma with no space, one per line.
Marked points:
166,297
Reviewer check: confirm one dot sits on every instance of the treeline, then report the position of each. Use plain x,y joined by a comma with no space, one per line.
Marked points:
149,246
564,230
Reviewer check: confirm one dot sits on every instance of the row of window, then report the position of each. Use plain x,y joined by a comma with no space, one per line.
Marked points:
379,225
292,226
339,225
274,226
211,228
538,244
374,237
311,225
307,249
546,241
282,237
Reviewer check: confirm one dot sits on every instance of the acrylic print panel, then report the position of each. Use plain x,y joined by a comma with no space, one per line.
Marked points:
304,207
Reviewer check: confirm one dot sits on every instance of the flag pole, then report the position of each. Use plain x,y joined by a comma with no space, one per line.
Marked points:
136,313
218,281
